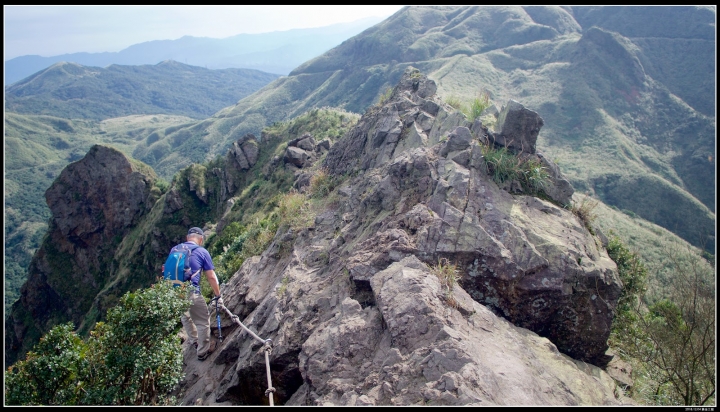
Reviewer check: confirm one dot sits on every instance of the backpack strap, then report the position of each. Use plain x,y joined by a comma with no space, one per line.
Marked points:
191,249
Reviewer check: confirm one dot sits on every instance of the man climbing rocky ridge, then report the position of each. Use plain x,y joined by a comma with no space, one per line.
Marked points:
361,318
355,312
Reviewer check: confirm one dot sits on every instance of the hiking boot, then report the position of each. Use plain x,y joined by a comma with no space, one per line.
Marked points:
213,345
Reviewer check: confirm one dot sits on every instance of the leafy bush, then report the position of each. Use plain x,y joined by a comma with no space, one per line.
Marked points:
633,275
48,374
134,358
162,184
670,342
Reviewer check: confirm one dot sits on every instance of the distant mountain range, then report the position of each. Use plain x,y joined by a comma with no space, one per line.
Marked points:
74,91
276,52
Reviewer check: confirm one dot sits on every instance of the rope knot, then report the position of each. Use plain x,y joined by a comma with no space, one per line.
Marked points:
269,390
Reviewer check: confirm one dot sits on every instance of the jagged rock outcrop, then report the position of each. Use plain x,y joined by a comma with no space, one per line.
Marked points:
94,202
356,314
518,128
303,151
243,152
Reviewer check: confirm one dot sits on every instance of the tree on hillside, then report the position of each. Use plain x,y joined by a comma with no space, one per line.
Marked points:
673,338
134,358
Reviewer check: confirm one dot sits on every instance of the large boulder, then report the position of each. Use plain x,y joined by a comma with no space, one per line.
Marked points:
297,156
517,128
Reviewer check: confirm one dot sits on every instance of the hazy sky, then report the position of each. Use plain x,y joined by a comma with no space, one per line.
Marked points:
53,30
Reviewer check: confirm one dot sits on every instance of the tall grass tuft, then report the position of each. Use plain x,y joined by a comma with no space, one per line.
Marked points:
505,166
448,275
584,212
478,105
502,165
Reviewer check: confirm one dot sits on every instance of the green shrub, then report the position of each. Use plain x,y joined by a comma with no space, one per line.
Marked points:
134,358
49,372
633,275
671,342
162,184
225,238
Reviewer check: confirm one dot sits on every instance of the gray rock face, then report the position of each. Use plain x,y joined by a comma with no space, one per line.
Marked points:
407,346
559,188
301,151
518,128
458,139
357,314
307,144
296,156
244,152
112,202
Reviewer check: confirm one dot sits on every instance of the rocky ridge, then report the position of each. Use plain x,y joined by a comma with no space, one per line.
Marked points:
357,315
352,302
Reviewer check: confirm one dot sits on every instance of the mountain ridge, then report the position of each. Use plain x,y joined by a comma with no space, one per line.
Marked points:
71,90
573,79
250,51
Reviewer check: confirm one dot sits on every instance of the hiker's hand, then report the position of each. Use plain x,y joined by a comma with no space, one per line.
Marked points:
219,301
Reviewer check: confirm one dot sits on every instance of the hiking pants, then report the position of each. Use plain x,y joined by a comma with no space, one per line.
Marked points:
196,322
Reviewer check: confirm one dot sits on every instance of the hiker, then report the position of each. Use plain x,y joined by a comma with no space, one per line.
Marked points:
196,320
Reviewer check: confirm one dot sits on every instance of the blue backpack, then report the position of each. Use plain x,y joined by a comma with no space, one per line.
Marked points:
177,266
